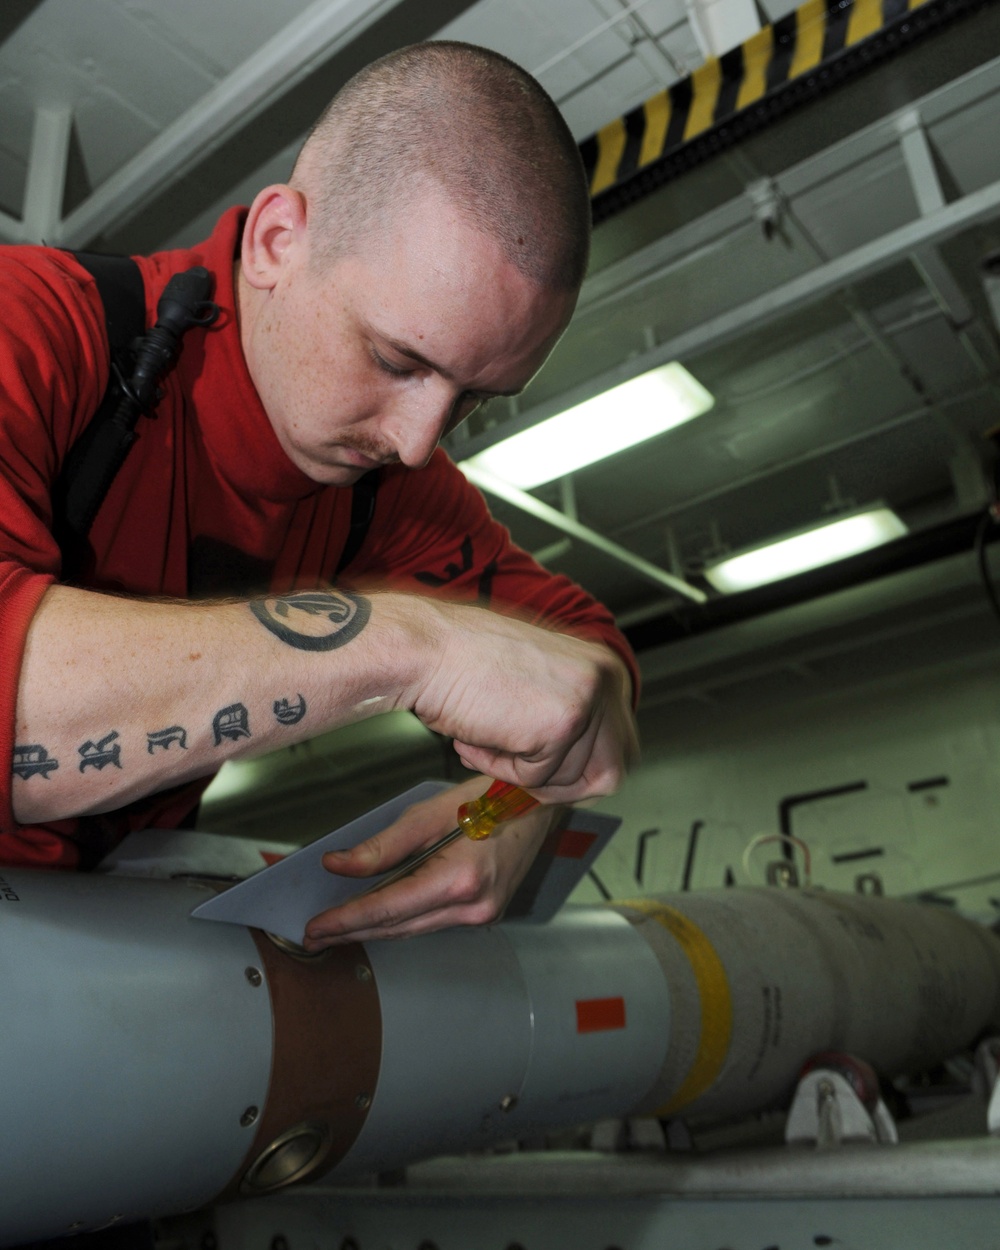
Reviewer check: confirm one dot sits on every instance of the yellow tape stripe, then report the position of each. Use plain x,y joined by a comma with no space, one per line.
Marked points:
865,20
705,84
713,991
756,58
810,27
811,21
655,135
610,149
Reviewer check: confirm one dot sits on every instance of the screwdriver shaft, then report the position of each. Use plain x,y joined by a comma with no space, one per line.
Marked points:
414,861
477,820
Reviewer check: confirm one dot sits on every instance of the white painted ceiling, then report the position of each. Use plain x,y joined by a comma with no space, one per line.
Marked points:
130,68
851,350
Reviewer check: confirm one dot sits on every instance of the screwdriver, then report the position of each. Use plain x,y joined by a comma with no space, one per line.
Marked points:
476,819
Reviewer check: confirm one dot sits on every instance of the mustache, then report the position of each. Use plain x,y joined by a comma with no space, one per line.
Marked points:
372,448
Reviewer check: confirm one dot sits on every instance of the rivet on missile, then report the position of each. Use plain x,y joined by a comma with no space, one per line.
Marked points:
253,976
508,1102
363,973
363,1102
249,1116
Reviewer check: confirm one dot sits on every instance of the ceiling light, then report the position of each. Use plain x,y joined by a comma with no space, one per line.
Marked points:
610,422
807,549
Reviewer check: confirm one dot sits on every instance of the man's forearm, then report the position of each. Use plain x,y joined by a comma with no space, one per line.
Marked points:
119,698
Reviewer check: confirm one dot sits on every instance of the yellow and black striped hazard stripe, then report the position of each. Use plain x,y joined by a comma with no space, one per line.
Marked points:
747,87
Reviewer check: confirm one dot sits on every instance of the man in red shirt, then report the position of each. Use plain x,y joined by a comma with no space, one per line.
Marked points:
425,256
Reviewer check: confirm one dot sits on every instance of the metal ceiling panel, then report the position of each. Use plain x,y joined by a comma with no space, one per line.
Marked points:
218,36
195,121
861,204
967,162
123,80
585,52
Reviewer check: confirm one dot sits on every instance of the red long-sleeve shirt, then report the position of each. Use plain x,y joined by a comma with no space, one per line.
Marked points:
206,502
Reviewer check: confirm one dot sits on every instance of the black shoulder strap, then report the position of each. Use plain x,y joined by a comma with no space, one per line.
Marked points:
80,487
90,467
363,496
119,283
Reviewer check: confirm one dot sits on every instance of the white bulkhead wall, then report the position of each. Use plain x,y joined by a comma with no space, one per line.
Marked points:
918,756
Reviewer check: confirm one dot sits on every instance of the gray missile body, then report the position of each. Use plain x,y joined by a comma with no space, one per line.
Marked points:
154,1063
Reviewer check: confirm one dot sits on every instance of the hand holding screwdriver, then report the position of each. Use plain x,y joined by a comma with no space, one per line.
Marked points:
476,819
468,885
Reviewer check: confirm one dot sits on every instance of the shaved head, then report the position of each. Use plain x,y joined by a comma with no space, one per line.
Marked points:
453,118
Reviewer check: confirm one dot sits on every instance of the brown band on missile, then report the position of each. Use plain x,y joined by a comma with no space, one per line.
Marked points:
327,1048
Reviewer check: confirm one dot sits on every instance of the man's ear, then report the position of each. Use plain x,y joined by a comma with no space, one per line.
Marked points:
275,229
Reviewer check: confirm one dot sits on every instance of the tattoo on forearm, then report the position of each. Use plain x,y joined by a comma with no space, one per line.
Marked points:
316,620
232,722
99,754
33,761
288,713
166,738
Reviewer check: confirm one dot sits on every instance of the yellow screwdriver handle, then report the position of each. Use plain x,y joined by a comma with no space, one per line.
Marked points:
479,817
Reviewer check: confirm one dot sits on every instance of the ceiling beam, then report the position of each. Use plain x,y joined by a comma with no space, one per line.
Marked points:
261,152
660,578
808,288
805,631
47,164
312,38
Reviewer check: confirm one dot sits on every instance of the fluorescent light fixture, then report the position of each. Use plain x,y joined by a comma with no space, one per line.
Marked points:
610,422
807,549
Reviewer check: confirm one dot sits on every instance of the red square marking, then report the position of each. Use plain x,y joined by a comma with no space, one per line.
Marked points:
599,1015
573,844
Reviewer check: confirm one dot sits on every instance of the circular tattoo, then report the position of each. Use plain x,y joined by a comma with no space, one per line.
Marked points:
313,620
